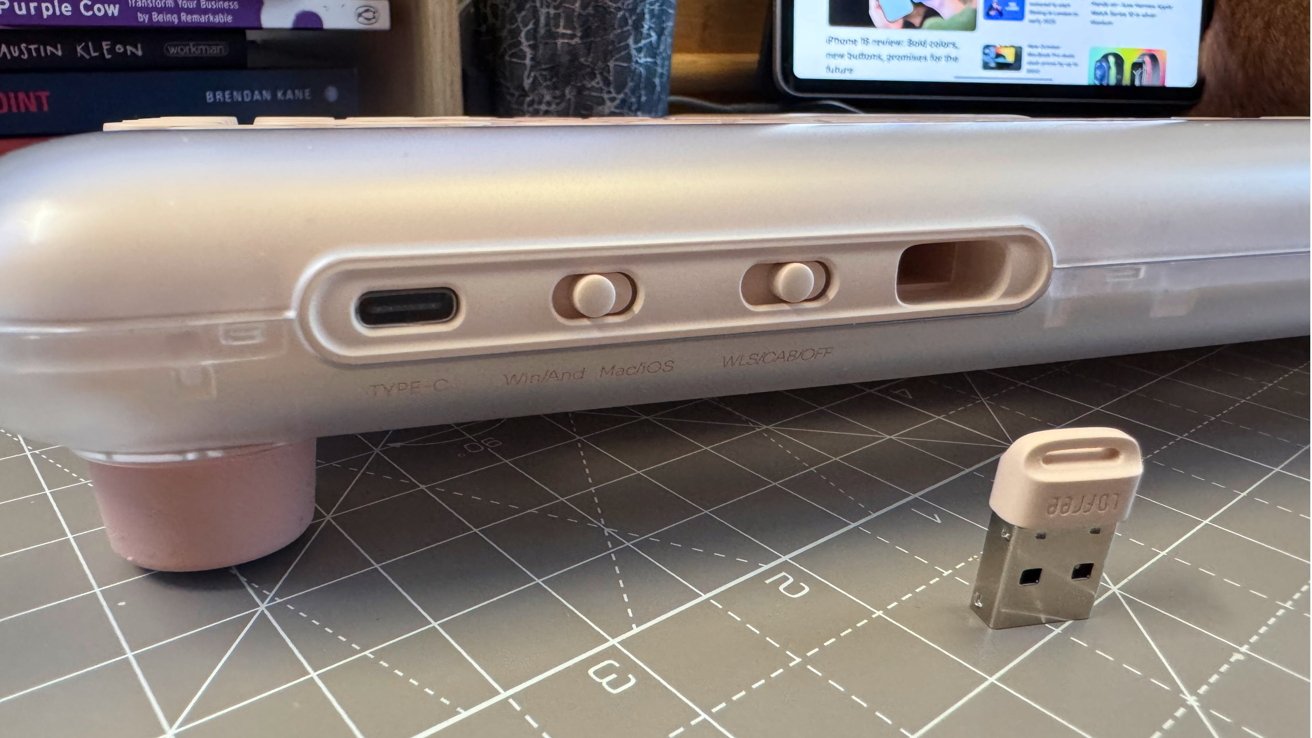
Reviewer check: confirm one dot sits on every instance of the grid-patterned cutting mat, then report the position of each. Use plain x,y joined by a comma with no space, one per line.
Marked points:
765,565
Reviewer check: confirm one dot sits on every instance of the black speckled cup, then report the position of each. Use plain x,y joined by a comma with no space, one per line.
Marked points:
579,58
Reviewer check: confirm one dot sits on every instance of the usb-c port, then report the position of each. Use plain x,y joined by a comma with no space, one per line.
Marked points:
406,307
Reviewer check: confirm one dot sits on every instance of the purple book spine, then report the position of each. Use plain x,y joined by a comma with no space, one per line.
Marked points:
360,15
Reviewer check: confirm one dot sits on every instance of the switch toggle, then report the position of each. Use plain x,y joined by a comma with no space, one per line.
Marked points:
593,295
797,281
785,283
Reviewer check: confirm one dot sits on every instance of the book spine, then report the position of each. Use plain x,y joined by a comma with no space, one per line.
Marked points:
14,144
357,15
39,50
43,104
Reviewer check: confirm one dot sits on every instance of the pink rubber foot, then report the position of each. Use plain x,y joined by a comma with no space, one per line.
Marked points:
207,513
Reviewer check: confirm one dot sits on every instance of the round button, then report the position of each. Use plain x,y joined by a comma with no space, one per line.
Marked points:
593,296
792,282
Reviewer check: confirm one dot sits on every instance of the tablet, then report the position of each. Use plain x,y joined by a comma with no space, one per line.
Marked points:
1126,51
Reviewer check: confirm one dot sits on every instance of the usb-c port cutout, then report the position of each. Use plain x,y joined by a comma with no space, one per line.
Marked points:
391,308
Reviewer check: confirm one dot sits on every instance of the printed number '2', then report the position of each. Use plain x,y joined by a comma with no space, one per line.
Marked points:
802,587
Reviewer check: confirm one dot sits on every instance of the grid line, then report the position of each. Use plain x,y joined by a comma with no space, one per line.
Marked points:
819,451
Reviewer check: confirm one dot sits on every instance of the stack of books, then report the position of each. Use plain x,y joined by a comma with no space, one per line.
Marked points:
68,66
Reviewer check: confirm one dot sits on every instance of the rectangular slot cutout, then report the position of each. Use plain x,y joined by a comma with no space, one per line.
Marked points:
952,272
1081,456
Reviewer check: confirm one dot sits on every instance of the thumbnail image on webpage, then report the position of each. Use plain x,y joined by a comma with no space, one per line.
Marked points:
1111,43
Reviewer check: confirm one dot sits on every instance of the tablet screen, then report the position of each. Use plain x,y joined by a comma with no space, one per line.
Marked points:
1099,43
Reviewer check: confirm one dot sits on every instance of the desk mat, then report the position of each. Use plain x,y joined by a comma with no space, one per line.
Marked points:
794,563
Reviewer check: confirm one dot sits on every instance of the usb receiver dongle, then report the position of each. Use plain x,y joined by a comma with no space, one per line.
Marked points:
1057,497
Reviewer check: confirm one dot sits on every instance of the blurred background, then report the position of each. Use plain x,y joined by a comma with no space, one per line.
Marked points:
468,57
